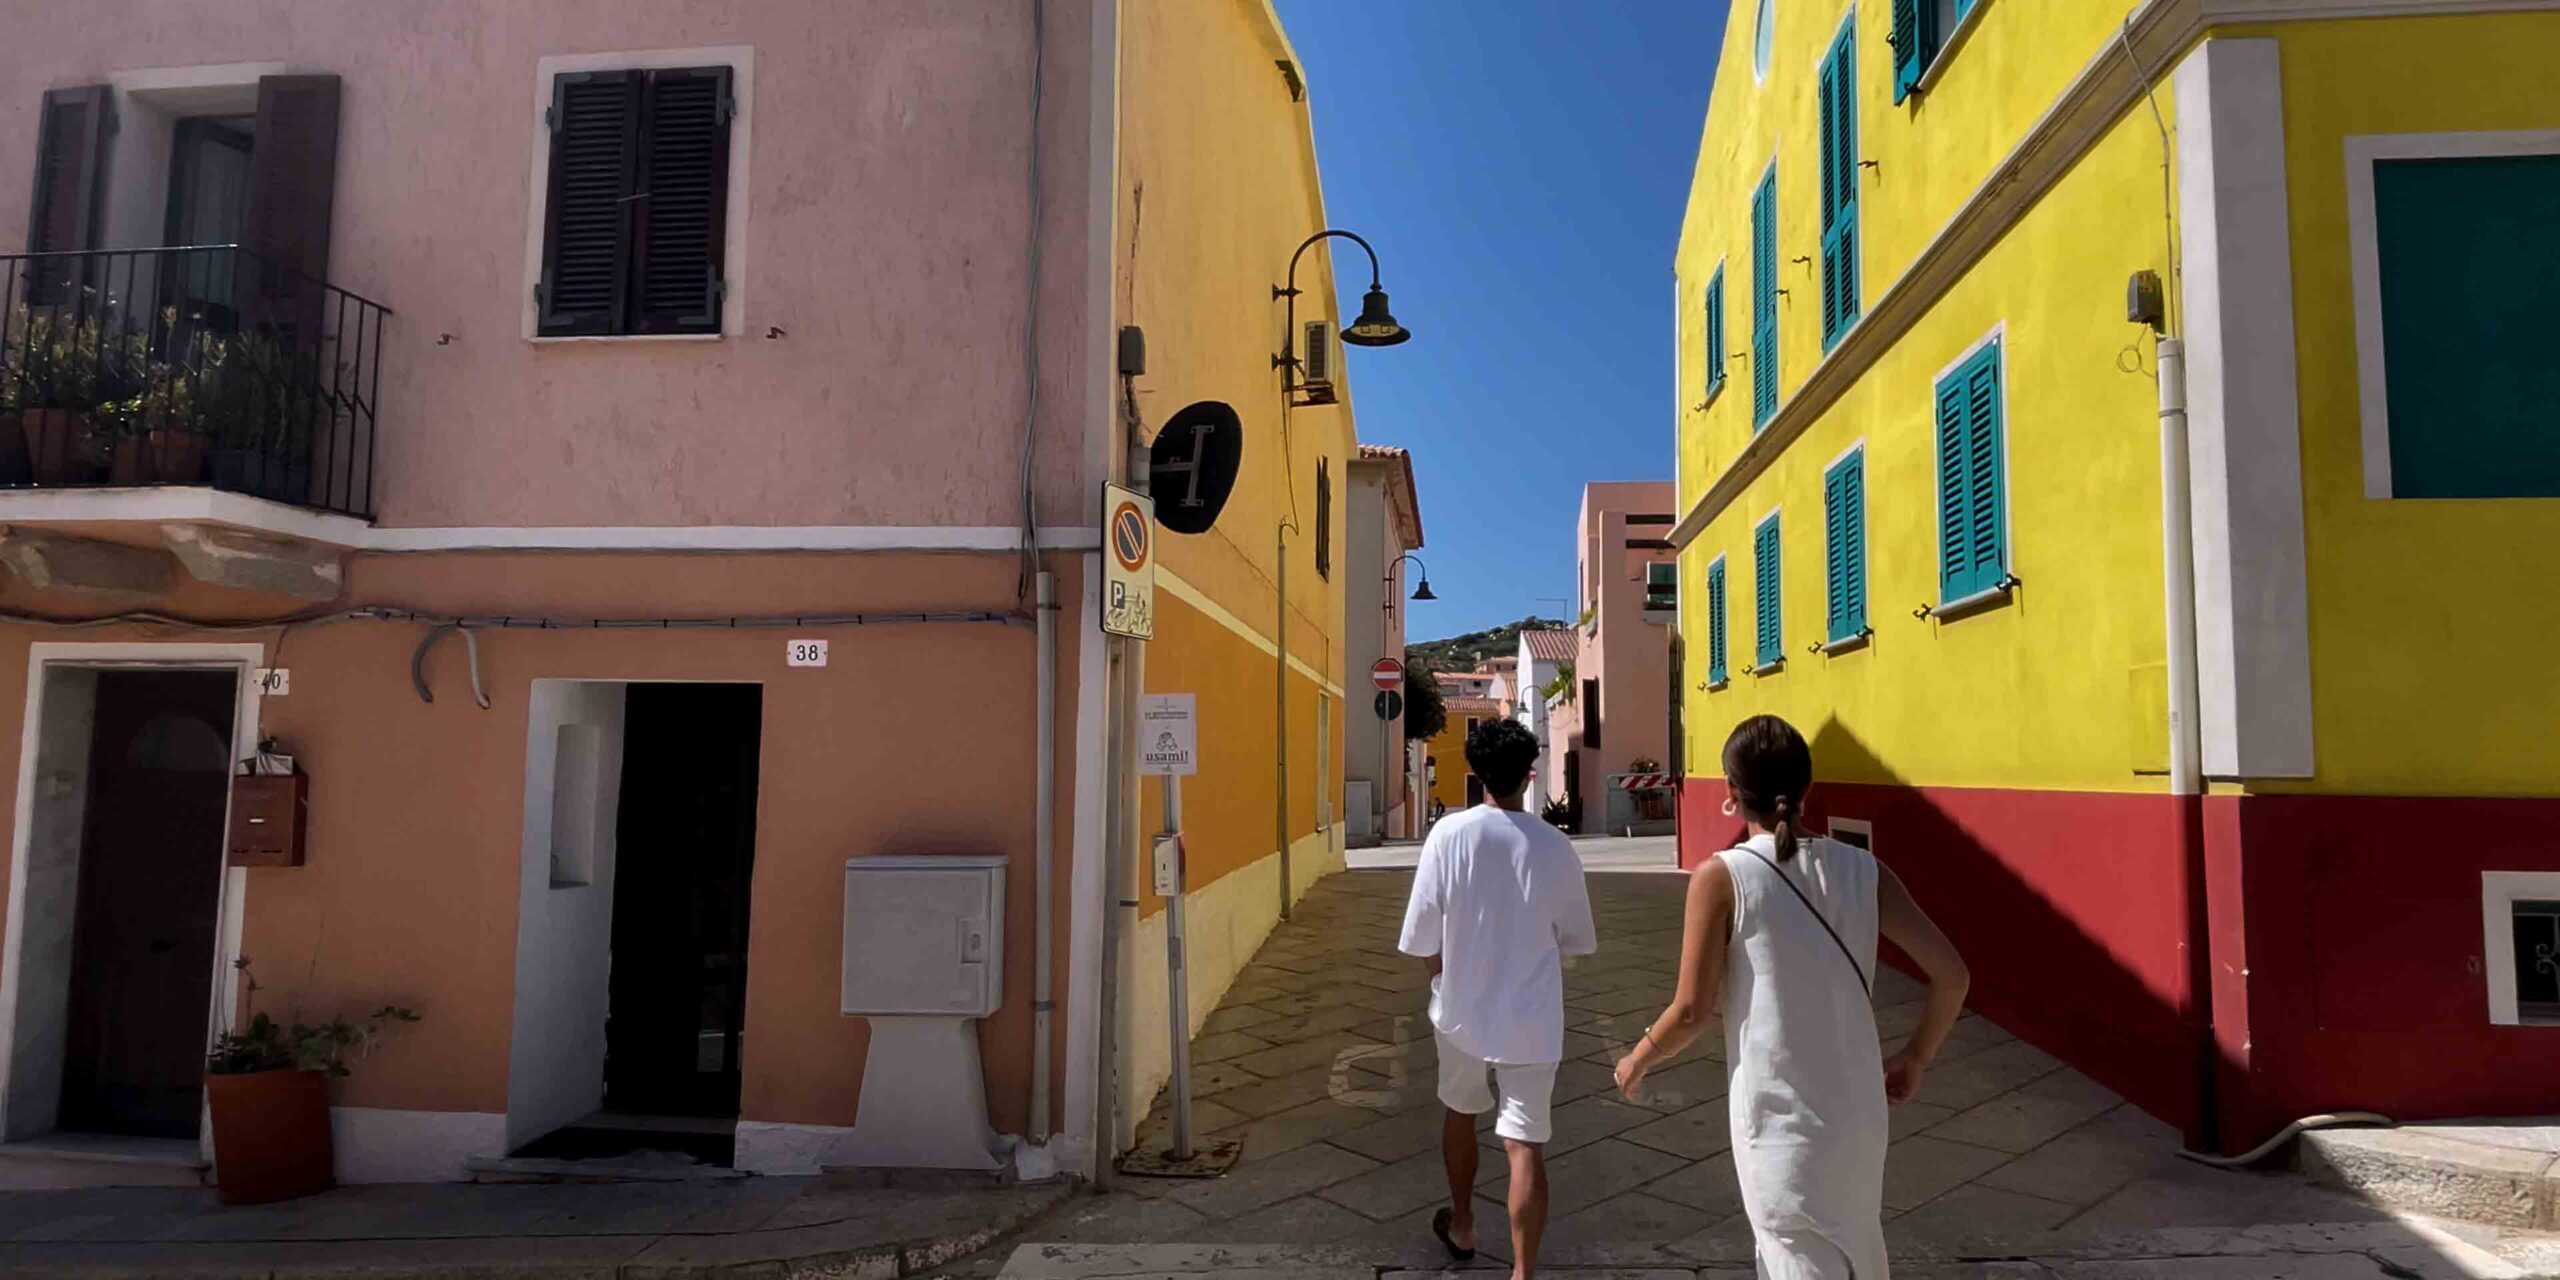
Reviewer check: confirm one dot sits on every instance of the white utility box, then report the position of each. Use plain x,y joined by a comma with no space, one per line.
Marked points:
923,958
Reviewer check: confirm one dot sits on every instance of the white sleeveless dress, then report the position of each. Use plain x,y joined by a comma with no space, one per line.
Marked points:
1806,1074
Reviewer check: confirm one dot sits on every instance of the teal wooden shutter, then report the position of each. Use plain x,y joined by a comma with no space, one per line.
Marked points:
1910,57
1715,331
1764,586
1717,671
1844,506
1839,104
1764,300
1973,553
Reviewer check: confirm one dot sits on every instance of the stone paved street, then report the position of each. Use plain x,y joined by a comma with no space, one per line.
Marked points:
1321,1059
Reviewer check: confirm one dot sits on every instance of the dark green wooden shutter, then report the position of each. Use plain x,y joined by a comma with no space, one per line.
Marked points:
1844,504
1324,520
293,179
69,194
1915,42
1715,331
682,201
586,238
1839,103
1764,300
1973,553
1765,620
1717,671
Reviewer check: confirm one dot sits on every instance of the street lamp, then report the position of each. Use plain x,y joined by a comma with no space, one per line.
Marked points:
1376,326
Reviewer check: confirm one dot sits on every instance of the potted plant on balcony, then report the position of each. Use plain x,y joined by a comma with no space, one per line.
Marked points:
267,1085
259,400
55,384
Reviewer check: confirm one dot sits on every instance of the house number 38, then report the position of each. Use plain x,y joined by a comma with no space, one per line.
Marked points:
806,653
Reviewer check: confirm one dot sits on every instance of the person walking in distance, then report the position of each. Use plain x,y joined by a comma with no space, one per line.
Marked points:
1783,929
1498,902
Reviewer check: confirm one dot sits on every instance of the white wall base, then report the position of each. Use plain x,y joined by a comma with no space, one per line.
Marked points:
1225,922
378,1144
771,1147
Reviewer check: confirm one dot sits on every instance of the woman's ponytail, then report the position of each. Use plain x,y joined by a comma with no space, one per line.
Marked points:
1782,825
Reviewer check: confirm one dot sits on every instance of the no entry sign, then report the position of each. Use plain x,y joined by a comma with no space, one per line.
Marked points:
1387,674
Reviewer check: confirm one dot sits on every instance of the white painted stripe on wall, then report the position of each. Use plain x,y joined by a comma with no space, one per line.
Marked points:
1174,586
2253,636
381,1144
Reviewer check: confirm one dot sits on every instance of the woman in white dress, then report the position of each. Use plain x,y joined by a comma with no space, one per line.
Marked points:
1783,928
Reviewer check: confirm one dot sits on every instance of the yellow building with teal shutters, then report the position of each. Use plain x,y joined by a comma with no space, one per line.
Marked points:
2127,444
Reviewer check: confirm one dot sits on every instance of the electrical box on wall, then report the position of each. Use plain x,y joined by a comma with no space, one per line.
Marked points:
267,818
924,936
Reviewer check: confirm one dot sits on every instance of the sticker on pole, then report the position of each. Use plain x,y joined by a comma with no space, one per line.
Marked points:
1128,563
1168,735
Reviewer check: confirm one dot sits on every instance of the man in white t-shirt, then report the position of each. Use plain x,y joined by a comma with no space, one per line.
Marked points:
1498,902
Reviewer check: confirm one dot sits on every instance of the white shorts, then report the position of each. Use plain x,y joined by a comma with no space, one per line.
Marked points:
1468,1085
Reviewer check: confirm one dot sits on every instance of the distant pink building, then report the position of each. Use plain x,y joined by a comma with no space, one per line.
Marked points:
1615,717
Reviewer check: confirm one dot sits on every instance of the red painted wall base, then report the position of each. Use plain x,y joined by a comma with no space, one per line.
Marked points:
2345,940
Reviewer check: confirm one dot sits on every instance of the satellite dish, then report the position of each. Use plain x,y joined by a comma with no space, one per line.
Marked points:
1191,467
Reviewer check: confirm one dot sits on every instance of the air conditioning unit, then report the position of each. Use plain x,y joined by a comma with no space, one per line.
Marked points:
1315,374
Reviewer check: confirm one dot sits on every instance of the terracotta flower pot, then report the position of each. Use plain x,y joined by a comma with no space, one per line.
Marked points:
271,1135
128,462
61,445
177,457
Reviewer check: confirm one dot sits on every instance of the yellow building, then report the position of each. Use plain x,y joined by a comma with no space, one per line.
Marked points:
2040,458
1453,786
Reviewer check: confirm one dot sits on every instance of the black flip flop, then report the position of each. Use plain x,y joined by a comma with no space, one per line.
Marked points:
1440,1228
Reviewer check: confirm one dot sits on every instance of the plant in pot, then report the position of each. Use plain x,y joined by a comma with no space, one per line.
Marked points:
261,402
267,1084
55,385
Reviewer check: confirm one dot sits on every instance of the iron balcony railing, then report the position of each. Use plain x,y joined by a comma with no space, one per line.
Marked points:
202,365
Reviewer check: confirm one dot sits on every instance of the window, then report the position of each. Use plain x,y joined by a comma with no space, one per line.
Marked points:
2456,271
1661,586
1844,515
2520,942
1591,712
1764,29
1973,551
1764,300
634,237
1717,672
1771,649
1839,106
1922,29
1714,335
1324,520
1857,833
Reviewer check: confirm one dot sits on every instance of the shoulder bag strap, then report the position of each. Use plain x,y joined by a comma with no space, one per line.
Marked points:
1845,953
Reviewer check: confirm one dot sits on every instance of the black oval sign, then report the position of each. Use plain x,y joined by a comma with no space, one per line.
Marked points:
1192,466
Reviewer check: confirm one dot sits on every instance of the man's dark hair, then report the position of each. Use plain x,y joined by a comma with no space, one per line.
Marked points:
1502,752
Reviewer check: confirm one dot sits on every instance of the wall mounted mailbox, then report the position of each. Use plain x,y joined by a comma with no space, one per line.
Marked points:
267,820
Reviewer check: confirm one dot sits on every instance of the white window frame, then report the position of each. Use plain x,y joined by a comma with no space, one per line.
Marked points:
741,61
2364,254
2499,892
1947,47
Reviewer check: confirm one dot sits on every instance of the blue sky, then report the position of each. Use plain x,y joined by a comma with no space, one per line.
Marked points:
1521,167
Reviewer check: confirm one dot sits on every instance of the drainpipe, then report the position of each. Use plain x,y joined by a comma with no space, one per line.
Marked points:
2186,751
1043,839
1280,703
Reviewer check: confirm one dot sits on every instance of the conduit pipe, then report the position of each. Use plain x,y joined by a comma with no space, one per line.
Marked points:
1043,837
2186,744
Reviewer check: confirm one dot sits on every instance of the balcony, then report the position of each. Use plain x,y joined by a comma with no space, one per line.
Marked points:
1662,605
203,366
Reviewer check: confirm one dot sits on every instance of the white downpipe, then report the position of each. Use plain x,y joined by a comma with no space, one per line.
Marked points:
2178,572
1043,842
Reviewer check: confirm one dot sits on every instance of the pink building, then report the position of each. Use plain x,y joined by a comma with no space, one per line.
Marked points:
1616,718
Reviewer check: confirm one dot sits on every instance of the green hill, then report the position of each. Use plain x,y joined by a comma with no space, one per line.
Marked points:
1468,652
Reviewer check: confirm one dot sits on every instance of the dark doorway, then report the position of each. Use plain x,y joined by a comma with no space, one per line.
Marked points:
1475,790
684,858
149,904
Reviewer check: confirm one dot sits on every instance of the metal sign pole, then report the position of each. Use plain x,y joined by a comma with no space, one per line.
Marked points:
1177,985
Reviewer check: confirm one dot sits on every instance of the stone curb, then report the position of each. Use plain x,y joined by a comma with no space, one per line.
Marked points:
2423,1172
836,1251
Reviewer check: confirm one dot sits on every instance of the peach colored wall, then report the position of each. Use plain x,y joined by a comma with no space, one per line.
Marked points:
1630,657
914,739
887,208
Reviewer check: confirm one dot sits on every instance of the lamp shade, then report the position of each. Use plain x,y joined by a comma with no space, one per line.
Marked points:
1376,326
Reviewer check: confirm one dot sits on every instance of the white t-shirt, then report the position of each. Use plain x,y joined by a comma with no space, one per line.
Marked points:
1498,896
